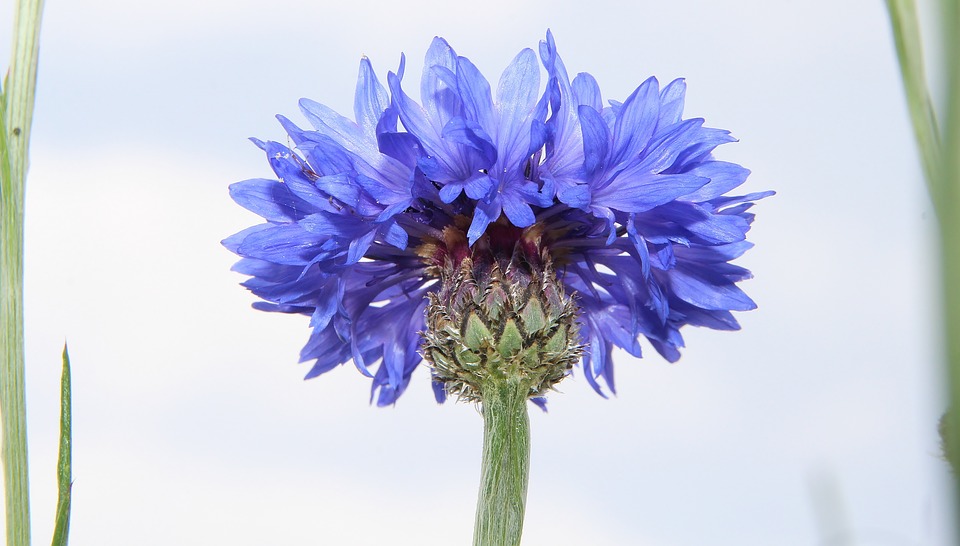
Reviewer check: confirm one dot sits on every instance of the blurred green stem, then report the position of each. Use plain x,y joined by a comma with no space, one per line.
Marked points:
906,34
506,463
16,114
941,167
949,219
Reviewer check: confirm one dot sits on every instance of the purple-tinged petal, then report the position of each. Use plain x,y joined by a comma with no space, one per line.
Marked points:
233,242
403,147
571,191
596,140
331,124
395,235
359,247
439,99
287,244
516,98
641,245
671,103
370,100
664,151
450,191
518,212
327,304
484,214
586,92
705,141
417,123
475,93
636,121
470,133
723,178
721,202
439,391
353,139
271,200
340,186
643,192
479,186
718,294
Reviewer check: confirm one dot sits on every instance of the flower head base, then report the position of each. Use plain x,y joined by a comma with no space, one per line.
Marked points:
415,210
500,312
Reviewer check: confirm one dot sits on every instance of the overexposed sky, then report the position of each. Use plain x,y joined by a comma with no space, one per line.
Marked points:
815,424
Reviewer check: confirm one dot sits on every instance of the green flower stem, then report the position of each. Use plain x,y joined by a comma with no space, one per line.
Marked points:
506,463
16,114
906,34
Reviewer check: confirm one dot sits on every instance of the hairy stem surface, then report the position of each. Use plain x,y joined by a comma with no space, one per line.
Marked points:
506,463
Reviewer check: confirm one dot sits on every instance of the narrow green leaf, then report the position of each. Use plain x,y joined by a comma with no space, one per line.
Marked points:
62,528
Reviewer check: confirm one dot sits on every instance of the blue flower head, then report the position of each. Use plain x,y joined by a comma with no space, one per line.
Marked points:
627,201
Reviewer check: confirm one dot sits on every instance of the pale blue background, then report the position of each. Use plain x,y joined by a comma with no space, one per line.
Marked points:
814,425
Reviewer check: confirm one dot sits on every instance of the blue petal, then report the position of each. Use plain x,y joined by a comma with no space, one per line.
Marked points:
470,133
355,140
518,212
403,147
395,235
723,178
665,150
341,129
286,244
475,94
516,97
643,192
658,300
233,242
450,191
480,186
709,294
371,98
342,187
483,215
439,99
706,140
636,122
640,244
596,139
359,246
716,254
327,304
586,91
415,120
439,391
671,103
572,192
271,200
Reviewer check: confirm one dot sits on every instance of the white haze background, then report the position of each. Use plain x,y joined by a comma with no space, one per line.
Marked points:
816,424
